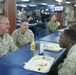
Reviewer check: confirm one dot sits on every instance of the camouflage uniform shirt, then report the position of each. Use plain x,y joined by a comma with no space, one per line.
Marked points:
21,39
6,45
69,64
51,27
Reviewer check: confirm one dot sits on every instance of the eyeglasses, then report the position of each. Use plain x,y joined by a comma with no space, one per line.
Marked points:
6,23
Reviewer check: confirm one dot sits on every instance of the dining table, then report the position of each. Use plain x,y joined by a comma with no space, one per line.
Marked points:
12,64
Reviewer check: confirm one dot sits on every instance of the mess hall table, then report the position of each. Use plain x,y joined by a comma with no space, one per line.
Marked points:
12,64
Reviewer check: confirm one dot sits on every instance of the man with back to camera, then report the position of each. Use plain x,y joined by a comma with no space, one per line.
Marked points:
22,36
6,42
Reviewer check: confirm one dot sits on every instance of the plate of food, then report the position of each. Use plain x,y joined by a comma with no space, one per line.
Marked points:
40,63
52,47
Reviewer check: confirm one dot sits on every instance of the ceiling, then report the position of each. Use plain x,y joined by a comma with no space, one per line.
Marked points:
38,2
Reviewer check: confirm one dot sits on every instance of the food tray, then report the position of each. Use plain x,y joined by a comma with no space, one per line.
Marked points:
39,63
52,47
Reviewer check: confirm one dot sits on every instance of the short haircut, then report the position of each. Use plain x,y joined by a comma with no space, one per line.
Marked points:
73,27
52,15
24,20
70,33
2,17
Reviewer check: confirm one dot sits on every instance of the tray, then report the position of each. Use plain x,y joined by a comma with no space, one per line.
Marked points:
39,63
52,47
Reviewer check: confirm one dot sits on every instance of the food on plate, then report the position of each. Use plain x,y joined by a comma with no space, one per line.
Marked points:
41,64
39,69
43,57
53,47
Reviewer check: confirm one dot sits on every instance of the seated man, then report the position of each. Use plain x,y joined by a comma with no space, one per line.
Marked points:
52,25
6,42
23,35
68,41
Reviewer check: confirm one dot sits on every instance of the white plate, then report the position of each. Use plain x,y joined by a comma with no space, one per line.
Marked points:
52,47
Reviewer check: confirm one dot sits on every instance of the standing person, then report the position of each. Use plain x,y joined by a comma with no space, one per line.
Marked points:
68,41
70,15
23,35
23,14
6,42
52,24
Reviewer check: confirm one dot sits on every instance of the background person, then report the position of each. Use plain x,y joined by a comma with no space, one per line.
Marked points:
52,25
73,27
22,36
6,42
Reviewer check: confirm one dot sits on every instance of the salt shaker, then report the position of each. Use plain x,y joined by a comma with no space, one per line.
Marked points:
41,47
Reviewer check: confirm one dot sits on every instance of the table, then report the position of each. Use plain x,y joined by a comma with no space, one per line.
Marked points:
12,63
17,58
54,37
6,69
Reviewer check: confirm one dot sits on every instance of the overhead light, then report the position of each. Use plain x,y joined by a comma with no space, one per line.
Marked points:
21,5
50,5
32,5
68,2
43,3
46,9
58,0
25,0
16,4
75,5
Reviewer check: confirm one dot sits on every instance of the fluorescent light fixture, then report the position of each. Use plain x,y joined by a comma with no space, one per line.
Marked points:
25,0
22,5
43,3
16,4
58,0
68,2
75,5
50,5
46,9
32,5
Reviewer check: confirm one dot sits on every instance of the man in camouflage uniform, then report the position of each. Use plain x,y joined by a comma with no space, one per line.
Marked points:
52,25
6,42
23,35
68,41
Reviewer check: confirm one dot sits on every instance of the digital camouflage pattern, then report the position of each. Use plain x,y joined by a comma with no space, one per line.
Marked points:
21,39
69,65
6,45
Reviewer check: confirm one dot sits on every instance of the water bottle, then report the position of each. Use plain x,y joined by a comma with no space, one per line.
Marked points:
41,47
